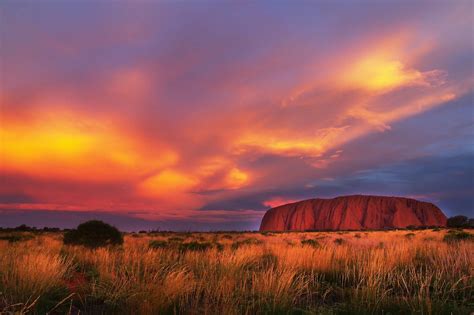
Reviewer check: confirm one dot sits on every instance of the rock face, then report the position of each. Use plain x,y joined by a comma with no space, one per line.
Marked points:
352,213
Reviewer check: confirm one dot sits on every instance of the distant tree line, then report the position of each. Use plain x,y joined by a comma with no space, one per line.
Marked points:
461,221
458,221
26,228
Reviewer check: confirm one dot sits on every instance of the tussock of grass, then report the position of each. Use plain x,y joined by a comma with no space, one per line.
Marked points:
195,246
246,242
312,243
158,244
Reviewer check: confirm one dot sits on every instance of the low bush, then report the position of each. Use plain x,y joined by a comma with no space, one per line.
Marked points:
248,241
13,238
339,241
176,239
219,246
458,236
410,235
312,243
155,244
94,234
195,246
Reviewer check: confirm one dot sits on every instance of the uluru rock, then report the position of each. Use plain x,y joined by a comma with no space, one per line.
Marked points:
352,213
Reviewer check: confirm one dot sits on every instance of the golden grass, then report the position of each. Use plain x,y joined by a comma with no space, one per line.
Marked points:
367,273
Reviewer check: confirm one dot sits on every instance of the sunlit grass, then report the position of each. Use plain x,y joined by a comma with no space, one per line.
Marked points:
242,273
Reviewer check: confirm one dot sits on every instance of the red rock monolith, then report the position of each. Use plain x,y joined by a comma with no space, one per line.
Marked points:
357,212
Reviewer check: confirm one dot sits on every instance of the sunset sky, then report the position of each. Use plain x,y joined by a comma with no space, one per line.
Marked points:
202,115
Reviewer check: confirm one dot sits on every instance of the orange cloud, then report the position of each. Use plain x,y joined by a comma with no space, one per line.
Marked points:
369,77
72,146
167,182
381,73
203,151
218,173
312,145
236,178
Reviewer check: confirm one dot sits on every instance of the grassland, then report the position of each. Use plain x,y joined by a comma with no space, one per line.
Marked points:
392,272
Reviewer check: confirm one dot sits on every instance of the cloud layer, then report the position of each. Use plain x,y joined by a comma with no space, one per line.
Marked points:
213,113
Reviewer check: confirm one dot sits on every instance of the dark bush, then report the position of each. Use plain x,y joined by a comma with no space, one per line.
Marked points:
176,239
50,229
410,235
312,243
470,223
24,228
339,241
13,238
195,246
93,234
455,236
155,244
219,246
458,221
248,241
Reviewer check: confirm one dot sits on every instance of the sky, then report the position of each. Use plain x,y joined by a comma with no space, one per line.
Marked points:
201,115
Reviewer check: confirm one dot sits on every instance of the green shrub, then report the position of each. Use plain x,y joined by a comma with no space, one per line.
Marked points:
248,241
458,221
312,243
410,235
155,244
339,241
458,236
16,237
93,234
195,246
176,239
219,246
